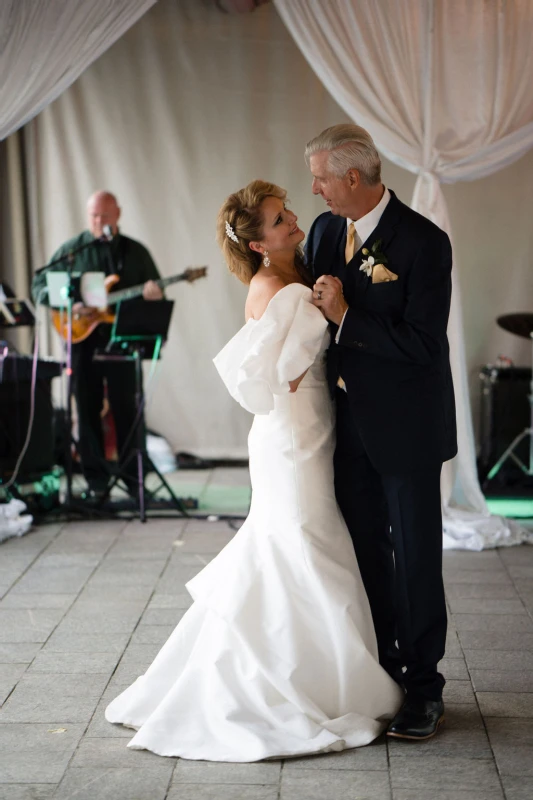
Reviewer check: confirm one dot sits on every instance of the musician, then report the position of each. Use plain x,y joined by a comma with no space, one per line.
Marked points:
133,263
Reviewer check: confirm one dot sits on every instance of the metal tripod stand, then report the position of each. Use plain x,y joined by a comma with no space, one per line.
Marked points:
510,452
136,439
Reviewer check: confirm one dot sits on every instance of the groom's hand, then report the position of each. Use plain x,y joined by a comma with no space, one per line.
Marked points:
328,297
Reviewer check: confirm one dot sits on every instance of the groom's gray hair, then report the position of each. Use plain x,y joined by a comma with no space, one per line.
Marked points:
349,147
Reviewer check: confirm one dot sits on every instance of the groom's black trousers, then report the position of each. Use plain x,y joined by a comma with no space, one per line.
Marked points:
396,526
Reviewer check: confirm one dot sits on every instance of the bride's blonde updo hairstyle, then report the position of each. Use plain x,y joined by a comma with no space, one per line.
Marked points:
241,218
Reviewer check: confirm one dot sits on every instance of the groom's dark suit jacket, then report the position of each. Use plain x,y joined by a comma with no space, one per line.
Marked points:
393,352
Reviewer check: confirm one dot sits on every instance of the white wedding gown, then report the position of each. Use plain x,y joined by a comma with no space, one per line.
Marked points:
277,656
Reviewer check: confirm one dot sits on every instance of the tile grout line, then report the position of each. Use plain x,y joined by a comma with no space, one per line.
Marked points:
506,567
22,574
282,765
530,615
37,557
494,760
493,757
97,565
83,736
42,644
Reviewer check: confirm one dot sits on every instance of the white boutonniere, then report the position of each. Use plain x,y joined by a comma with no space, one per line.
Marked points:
368,265
374,258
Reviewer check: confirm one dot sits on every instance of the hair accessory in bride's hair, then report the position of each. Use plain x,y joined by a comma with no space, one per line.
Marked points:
230,233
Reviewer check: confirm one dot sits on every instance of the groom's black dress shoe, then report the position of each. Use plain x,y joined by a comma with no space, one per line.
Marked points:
417,719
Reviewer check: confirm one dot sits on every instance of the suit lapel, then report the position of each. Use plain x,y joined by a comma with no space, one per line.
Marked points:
385,232
329,256
327,251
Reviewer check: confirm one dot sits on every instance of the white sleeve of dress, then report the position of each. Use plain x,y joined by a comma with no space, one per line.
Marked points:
266,354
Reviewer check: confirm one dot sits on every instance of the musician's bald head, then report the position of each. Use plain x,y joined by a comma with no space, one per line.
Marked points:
102,209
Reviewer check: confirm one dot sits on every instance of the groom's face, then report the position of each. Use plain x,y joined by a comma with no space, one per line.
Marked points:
337,192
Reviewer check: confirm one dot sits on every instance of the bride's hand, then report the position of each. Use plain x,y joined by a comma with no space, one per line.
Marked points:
328,297
296,382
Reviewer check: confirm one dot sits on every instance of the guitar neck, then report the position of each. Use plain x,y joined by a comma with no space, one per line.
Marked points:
136,291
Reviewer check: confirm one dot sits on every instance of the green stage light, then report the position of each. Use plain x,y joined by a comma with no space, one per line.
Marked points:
519,507
39,492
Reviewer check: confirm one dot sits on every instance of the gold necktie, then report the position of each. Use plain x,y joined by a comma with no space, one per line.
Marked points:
350,242
349,253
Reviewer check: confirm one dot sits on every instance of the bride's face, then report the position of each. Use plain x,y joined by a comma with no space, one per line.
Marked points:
280,230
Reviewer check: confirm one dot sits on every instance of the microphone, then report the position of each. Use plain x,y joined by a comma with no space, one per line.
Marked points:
107,234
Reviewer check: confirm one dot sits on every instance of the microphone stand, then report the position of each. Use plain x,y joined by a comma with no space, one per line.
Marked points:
105,239
68,260
69,465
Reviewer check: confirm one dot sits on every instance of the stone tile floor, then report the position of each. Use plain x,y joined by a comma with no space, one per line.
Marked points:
86,605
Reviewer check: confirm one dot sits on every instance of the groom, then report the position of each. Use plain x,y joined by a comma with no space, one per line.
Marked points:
383,279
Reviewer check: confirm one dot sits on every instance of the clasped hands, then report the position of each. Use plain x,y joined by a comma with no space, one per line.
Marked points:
328,297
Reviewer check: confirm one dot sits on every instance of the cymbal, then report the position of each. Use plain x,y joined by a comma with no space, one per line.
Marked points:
519,324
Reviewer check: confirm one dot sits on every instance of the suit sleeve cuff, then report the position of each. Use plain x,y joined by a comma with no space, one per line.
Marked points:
338,336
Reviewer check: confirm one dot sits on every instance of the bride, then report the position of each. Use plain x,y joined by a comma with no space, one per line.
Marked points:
277,656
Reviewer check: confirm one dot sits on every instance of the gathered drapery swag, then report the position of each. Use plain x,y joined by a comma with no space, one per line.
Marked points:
46,44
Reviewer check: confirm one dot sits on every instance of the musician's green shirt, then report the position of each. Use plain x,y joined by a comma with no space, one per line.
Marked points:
122,256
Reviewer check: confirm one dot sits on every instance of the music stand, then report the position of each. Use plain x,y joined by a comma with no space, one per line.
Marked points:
143,322
16,312
138,333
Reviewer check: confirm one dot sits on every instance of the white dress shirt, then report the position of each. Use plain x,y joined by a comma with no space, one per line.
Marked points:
364,228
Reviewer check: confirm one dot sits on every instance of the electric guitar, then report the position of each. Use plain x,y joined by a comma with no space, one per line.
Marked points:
83,324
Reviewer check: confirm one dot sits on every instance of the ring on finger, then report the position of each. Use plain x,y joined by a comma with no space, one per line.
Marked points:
319,295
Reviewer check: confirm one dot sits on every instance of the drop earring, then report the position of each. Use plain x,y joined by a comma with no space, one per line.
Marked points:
266,260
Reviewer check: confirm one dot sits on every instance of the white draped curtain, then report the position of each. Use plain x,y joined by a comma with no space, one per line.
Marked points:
444,87
46,44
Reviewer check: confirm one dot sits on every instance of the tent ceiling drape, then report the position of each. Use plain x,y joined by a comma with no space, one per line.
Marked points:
46,44
239,6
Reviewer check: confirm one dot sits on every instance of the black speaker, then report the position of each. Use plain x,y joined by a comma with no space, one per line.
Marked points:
505,413
15,403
